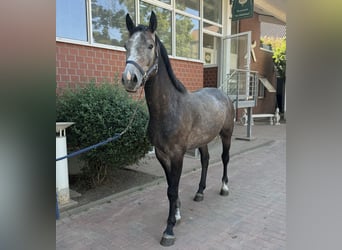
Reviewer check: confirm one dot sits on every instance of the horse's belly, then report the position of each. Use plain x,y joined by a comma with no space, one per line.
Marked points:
200,136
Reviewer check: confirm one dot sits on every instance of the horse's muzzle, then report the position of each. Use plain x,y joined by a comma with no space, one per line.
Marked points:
131,80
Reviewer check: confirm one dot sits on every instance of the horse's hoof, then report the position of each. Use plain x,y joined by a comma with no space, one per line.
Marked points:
224,192
198,197
167,240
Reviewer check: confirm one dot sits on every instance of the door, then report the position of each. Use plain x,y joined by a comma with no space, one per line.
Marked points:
236,75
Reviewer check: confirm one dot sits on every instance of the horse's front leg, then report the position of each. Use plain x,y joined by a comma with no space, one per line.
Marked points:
173,176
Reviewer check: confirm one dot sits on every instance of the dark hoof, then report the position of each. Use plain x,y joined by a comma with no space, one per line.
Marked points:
224,192
198,197
167,240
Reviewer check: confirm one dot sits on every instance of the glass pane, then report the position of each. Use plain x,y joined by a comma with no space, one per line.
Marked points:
238,48
212,10
165,1
71,19
187,37
109,20
212,28
164,23
189,6
210,44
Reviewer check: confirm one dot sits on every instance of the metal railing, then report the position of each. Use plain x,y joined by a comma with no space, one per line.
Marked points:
242,87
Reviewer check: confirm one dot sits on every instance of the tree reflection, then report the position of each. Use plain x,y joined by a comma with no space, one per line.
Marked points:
108,20
109,25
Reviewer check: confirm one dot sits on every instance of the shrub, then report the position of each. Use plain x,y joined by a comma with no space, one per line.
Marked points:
279,58
99,112
278,46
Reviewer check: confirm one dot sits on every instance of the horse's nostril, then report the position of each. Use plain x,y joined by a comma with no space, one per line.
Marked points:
135,79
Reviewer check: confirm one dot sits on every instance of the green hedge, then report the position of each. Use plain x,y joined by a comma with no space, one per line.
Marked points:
99,112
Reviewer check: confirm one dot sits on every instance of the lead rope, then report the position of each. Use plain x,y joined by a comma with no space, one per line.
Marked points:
133,116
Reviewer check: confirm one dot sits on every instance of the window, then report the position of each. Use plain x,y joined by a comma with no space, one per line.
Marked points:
210,44
165,1
261,90
234,27
212,28
264,83
189,6
109,20
71,19
102,22
164,23
187,37
212,10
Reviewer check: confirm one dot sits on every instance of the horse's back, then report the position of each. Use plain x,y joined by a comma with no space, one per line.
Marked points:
211,111
226,106
214,96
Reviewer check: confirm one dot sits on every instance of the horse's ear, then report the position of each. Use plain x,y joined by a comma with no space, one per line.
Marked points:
153,22
129,23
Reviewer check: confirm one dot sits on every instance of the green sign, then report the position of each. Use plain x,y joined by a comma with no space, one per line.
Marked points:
242,9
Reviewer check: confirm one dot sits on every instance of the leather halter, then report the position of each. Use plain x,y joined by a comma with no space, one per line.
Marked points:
152,70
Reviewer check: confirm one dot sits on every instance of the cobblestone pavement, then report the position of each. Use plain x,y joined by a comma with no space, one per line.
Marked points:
252,216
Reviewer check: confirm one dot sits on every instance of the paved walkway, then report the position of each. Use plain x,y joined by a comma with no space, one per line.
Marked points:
251,217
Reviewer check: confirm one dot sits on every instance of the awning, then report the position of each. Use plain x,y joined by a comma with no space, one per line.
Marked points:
267,84
274,8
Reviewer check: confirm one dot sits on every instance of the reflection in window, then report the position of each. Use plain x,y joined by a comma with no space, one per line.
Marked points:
165,1
164,23
187,37
71,19
212,28
189,6
261,90
234,27
210,46
109,20
212,10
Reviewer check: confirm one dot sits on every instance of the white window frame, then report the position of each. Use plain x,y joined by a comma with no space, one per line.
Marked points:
174,11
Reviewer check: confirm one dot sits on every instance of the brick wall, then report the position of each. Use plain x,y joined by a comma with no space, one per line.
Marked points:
189,73
210,77
77,65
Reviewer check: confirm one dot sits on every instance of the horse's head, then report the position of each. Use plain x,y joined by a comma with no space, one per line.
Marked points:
141,54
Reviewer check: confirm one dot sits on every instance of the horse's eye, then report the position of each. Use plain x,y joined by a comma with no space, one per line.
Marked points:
150,46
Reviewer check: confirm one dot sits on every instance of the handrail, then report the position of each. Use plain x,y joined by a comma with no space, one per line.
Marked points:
241,85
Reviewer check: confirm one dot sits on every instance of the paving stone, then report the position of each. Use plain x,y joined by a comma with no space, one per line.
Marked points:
251,217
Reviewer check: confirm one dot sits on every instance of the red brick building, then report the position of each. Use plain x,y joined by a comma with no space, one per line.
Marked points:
90,35
80,64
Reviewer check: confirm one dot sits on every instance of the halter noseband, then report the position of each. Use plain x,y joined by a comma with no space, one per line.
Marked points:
152,70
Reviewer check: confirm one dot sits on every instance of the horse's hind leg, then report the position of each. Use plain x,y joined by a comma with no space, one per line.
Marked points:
204,162
226,140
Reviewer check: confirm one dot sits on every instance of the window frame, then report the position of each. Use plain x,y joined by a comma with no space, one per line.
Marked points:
174,11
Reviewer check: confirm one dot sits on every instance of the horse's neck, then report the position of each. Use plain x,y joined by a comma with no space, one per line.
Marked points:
161,95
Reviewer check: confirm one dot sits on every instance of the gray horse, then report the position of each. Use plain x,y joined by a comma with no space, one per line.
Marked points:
179,120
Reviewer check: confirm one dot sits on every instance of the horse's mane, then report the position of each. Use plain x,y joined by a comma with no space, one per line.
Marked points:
163,53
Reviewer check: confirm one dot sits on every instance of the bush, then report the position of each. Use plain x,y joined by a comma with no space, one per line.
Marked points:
279,58
99,112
